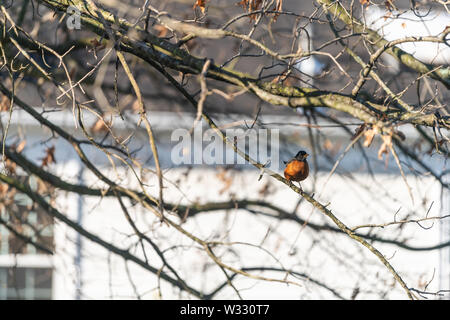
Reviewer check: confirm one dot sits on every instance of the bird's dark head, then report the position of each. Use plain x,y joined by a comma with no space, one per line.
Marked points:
301,155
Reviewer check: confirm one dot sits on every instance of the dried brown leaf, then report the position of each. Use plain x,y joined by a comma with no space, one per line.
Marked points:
227,180
49,157
368,137
387,15
201,4
265,190
250,6
97,45
100,126
278,7
386,146
389,5
4,187
162,31
21,146
4,103
358,131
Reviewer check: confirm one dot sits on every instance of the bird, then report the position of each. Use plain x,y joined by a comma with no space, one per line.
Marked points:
297,169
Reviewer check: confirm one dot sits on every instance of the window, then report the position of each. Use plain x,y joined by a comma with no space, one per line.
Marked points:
32,223
25,271
25,283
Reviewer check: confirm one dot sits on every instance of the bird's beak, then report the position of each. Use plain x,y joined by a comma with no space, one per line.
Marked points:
306,155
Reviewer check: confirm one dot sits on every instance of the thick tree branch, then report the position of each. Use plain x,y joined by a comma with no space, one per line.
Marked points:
338,11
153,49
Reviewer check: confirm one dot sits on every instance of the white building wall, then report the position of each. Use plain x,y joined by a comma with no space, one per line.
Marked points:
332,258
104,275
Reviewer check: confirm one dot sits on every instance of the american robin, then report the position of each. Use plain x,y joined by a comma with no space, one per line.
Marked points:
297,169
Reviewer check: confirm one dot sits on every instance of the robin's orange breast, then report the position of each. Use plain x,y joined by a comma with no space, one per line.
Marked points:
296,170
